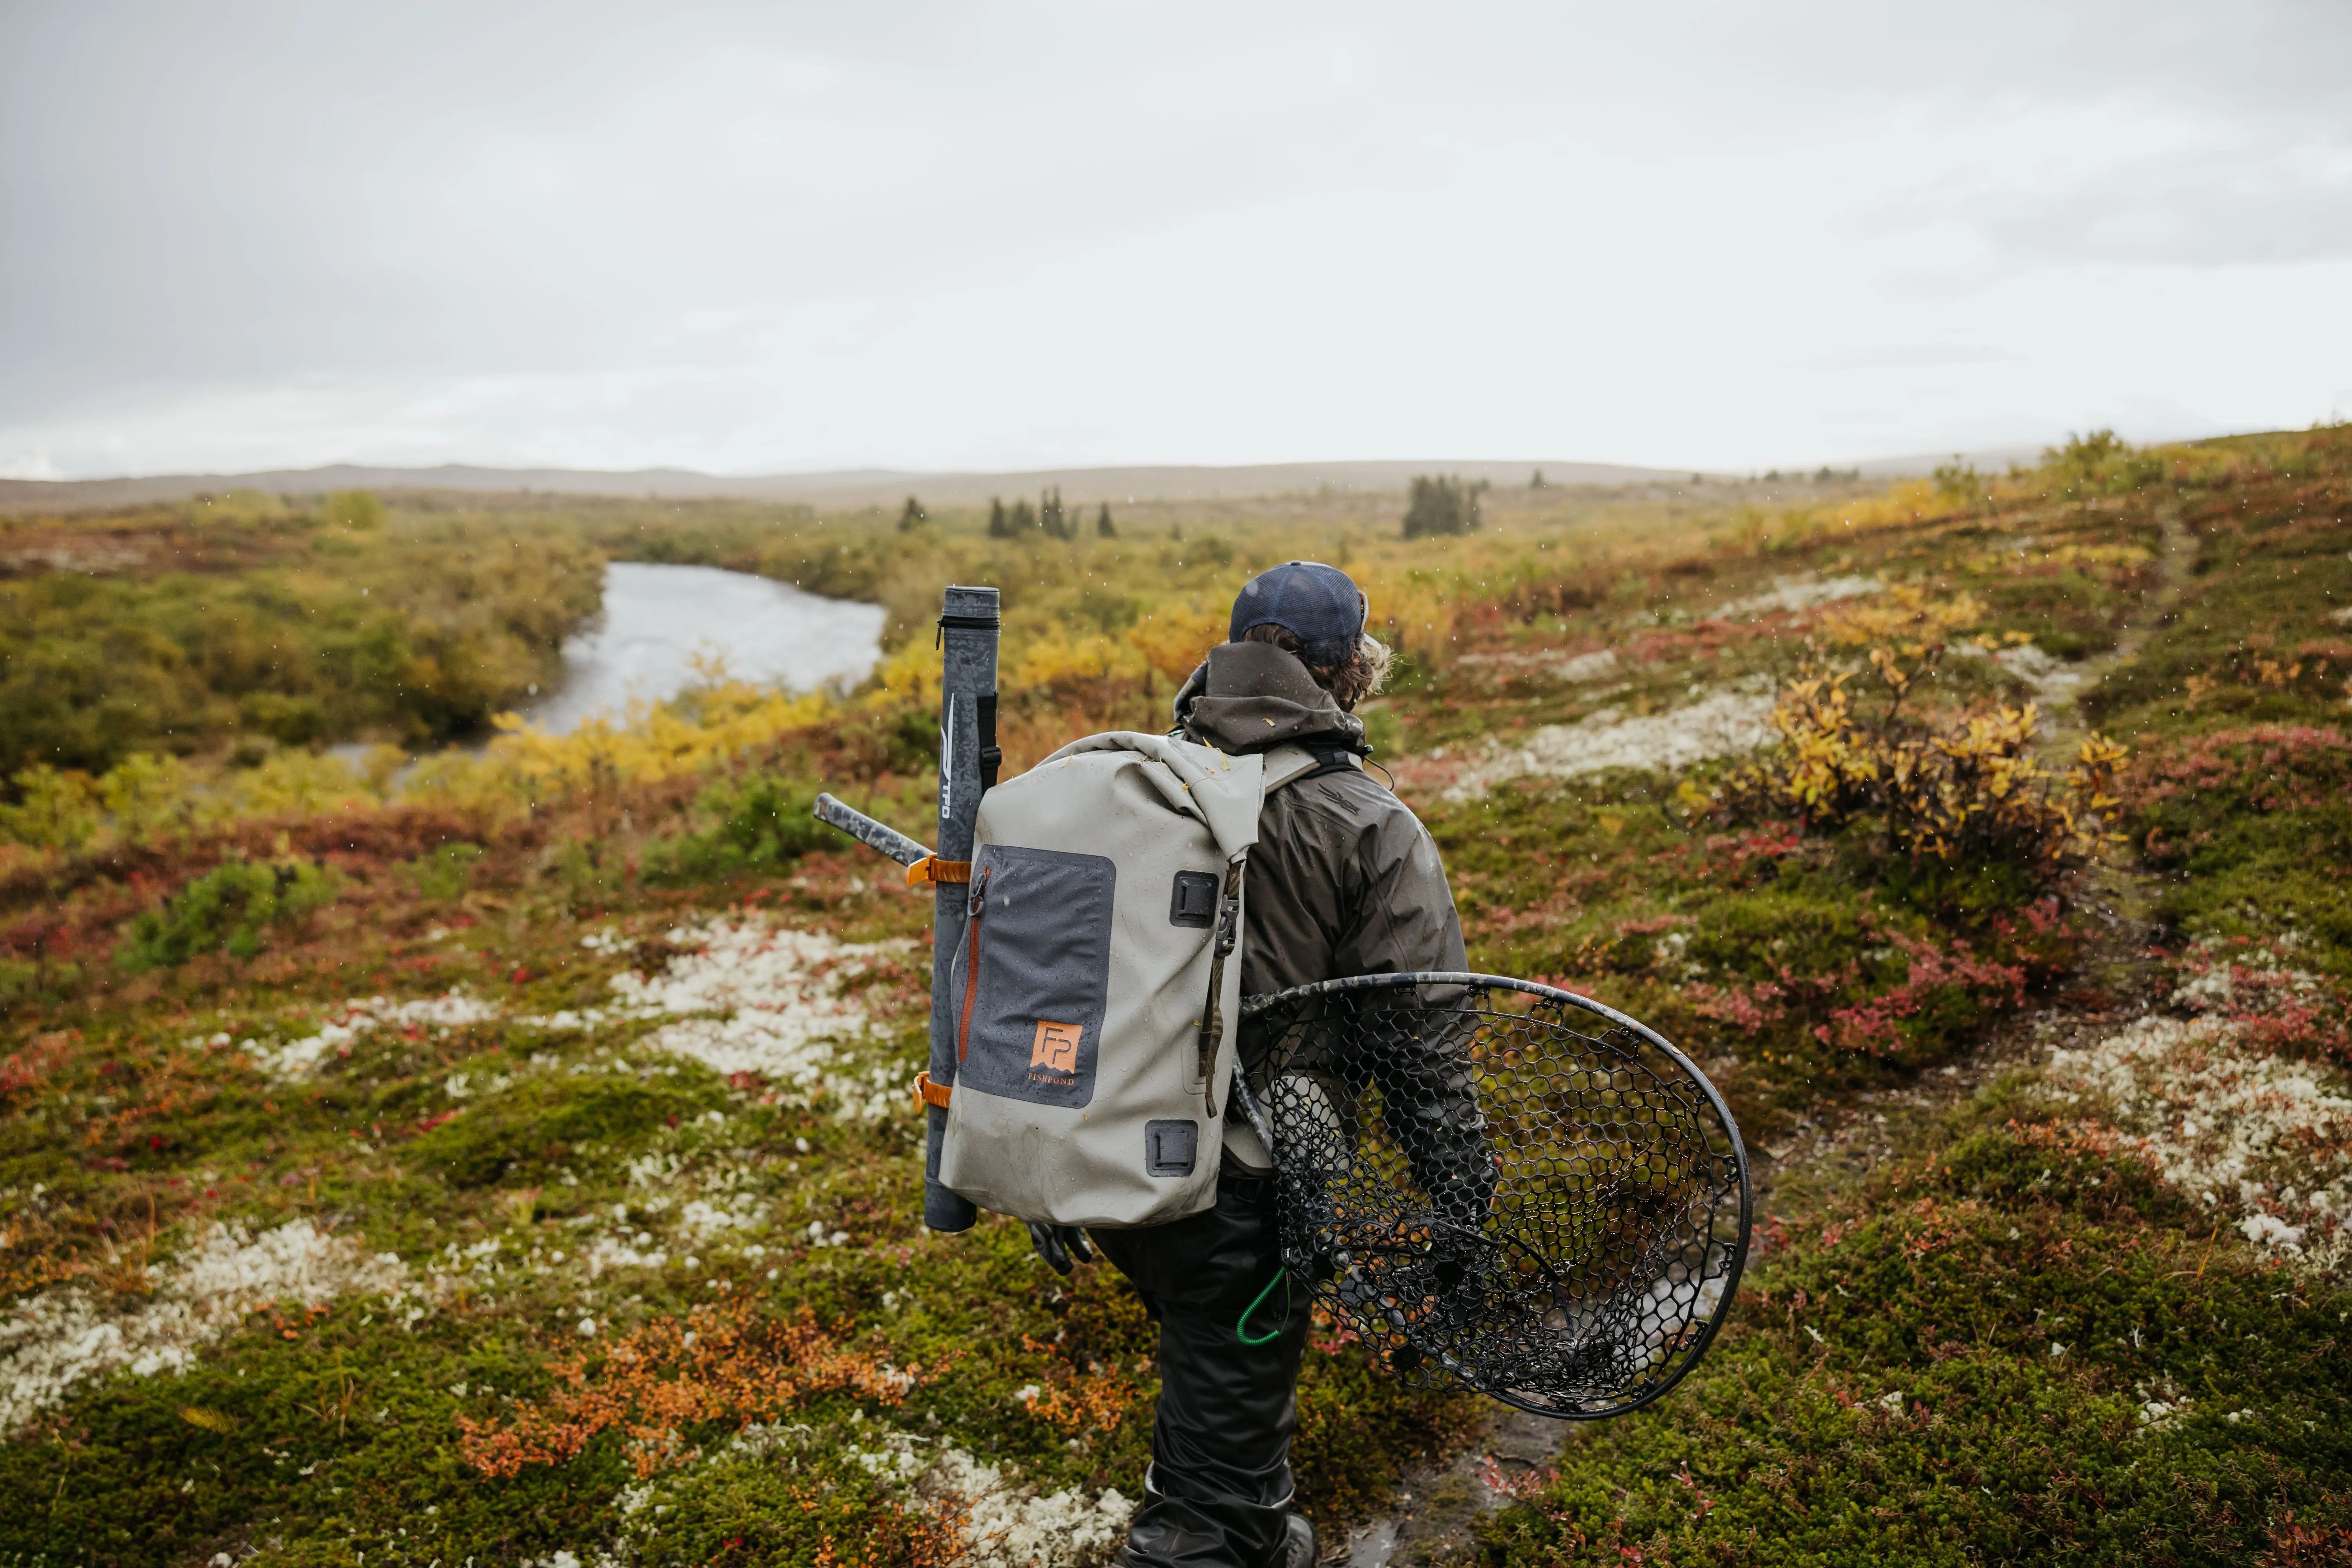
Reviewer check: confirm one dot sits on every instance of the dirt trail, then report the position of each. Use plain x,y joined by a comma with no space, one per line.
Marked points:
2115,894
2063,726
1845,1137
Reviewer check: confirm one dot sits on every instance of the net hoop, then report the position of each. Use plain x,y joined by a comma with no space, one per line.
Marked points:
1436,1353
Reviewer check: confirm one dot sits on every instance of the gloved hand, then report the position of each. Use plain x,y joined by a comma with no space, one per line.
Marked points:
1061,1246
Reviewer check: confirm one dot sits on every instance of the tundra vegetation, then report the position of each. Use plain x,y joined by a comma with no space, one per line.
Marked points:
505,1158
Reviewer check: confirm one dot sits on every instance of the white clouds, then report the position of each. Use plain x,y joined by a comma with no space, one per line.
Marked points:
749,239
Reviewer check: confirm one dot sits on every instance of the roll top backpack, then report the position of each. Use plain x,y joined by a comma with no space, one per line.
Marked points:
1096,983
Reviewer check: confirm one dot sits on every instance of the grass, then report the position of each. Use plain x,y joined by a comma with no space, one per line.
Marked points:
478,1195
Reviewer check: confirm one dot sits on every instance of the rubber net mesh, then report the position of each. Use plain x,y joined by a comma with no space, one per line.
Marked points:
1500,1191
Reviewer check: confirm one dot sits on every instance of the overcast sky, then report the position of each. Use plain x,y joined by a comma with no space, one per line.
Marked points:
786,237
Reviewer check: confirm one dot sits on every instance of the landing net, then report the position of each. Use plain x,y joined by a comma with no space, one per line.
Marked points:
1499,1186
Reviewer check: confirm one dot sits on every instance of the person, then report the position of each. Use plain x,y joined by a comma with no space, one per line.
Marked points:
1344,880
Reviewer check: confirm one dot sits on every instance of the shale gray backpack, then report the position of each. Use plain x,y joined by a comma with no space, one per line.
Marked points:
1095,984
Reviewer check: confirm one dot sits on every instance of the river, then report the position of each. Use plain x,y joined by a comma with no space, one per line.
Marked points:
658,620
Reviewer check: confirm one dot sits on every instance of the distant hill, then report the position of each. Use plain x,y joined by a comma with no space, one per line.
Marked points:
888,487
1991,461
855,487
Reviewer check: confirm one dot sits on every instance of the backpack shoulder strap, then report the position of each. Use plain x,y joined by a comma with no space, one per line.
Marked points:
1288,765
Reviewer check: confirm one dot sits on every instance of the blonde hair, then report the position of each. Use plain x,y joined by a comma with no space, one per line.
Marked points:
1348,683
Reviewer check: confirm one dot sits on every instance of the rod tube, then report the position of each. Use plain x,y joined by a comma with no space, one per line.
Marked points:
968,633
868,832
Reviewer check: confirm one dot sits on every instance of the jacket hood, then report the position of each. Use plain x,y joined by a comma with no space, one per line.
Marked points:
1249,696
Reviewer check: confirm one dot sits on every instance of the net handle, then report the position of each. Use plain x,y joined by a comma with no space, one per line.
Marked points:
1252,1006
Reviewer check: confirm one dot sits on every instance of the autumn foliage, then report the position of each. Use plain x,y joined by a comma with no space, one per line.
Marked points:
721,1364
1963,787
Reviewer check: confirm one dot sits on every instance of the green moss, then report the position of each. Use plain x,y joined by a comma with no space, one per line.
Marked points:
532,1129
1968,1367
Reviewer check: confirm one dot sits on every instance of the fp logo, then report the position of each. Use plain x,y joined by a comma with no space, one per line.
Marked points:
1055,1049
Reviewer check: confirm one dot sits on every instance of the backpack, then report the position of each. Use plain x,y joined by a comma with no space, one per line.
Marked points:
1094,987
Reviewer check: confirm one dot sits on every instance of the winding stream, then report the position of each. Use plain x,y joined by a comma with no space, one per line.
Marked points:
659,621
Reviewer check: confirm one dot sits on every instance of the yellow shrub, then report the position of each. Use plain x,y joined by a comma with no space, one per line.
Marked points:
291,783
1062,659
1174,635
1913,500
55,809
1954,788
2115,557
1904,618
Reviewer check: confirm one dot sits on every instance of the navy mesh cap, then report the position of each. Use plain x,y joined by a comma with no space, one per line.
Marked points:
1320,605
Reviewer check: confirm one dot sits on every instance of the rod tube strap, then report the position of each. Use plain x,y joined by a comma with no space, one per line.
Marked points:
965,624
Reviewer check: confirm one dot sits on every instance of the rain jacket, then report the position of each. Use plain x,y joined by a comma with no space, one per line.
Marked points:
1344,879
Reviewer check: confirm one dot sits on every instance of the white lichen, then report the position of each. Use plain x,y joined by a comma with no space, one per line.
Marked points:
53,1341
2225,978
1723,723
1011,1526
2052,679
754,998
360,1015
1575,668
1791,595
2230,1123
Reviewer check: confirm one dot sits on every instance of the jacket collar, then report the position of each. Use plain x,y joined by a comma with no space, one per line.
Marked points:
1249,696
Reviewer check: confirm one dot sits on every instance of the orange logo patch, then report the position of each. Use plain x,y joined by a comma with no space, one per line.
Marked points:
1056,1047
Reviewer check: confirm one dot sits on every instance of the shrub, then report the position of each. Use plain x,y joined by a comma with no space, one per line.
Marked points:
229,908
448,872
766,823
1962,790
53,809
1958,481
355,510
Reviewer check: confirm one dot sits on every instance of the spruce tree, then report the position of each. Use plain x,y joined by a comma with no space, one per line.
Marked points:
999,525
1051,517
1103,528
913,518
1442,505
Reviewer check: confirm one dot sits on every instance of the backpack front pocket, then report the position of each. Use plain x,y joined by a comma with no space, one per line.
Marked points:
1034,978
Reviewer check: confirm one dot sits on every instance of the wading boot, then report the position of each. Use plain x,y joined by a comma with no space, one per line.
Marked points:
1298,1542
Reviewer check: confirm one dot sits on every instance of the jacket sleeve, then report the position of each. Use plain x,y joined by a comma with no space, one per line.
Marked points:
1404,922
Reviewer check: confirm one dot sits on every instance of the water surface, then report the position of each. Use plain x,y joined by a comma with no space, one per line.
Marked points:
658,620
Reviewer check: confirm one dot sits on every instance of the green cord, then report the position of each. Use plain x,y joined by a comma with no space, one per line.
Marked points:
1241,1324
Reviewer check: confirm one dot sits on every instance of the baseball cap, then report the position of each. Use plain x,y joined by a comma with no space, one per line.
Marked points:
1320,605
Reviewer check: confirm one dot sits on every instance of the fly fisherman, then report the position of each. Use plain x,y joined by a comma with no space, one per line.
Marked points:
1344,880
